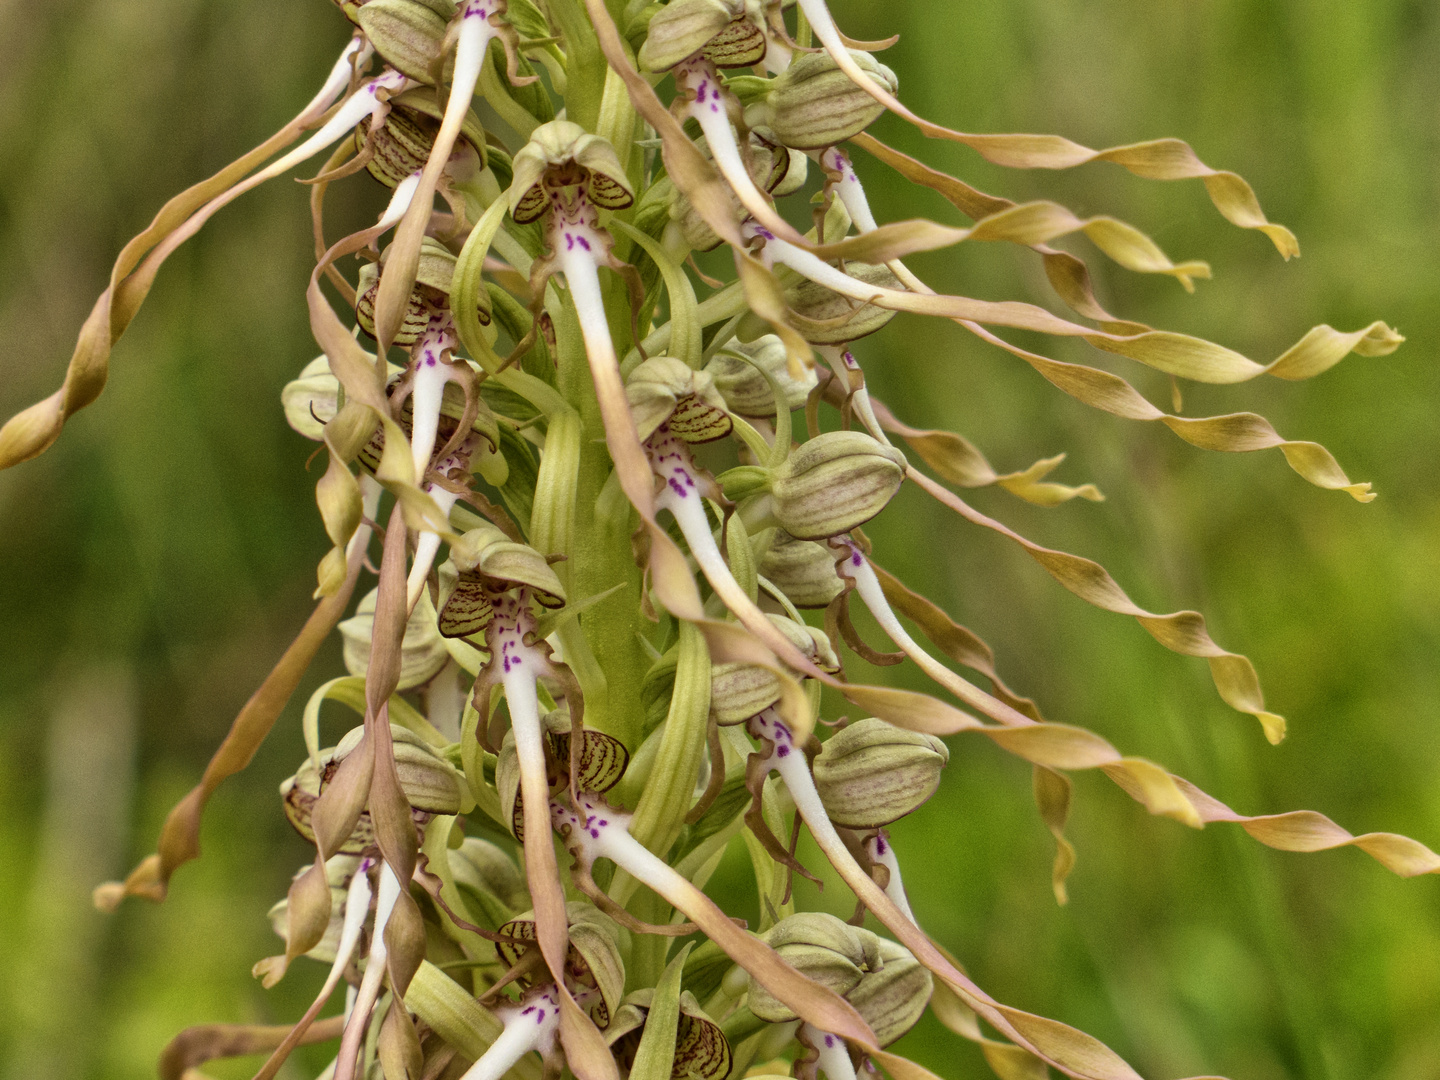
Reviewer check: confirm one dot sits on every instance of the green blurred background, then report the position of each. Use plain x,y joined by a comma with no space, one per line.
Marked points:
156,561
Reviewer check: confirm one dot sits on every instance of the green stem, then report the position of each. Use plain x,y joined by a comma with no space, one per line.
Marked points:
585,65
600,555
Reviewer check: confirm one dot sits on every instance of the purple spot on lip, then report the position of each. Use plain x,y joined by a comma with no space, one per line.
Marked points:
540,1019
584,243
595,833
604,822
856,559
677,487
782,751
527,1012
569,242
880,847
829,1040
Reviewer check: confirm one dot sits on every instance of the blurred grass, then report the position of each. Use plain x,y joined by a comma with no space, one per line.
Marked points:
171,531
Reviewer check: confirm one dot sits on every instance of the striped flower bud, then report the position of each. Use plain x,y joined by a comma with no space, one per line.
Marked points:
408,34
801,569
743,384
872,773
594,962
603,760
834,482
816,105
422,652
892,995
770,167
701,1049
431,784
721,31
824,317
402,144
665,390
821,947
563,155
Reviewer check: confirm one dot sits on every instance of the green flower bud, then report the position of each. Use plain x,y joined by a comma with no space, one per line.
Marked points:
743,384
739,691
311,400
893,997
490,883
701,1049
834,482
801,569
597,944
431,784
872,773
665,390
562,154
822,947
816,105
338,871
403,142
422,652
408,35
824,317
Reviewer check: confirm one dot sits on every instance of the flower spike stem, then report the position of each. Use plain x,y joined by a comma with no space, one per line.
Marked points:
834,1060
530,1025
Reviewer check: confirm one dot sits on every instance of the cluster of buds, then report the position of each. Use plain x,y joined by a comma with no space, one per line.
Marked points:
611,582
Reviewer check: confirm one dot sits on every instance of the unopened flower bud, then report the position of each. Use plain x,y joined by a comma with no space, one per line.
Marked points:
824,317
739,691
893,996
298,794
834,482
408,34
402,144
562,154
815,105
701,1049
743,384
801,569
431,784
594,962
665,390
422,652
821,947
872,773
